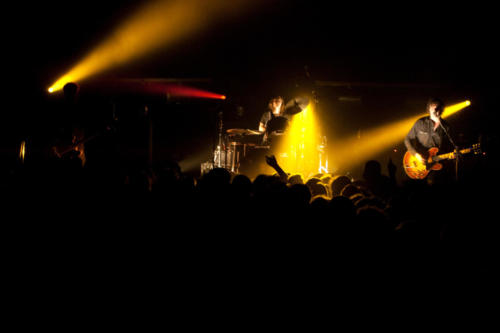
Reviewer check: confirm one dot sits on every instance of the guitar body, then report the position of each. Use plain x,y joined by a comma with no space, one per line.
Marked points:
72,150
418,170
76,149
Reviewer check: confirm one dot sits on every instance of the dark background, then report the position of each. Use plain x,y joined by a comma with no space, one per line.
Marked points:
403,53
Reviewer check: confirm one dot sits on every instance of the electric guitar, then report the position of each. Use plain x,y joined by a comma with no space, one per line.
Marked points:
71,151
77,147
415,169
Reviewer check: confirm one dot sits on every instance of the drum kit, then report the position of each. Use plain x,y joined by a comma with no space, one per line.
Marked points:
236,144
234,147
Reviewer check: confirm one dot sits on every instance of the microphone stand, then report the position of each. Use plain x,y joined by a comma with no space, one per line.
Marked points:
454,147
218,151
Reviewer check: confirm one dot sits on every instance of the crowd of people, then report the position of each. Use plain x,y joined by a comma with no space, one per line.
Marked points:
279,217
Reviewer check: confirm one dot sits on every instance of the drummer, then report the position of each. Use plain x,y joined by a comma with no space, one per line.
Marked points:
275,108
275,118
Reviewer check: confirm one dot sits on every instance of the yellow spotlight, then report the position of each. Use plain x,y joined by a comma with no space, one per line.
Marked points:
158,24
299,152
364,145
452,109
51,90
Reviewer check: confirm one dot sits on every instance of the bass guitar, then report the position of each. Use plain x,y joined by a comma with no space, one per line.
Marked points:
415,169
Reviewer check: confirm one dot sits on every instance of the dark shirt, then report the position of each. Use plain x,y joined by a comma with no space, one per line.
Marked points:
422,136
267,116
273,124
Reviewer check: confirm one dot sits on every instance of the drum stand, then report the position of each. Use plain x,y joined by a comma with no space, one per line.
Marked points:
235,158
226,154
323,158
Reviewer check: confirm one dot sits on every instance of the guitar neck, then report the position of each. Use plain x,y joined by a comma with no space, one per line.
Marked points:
450,156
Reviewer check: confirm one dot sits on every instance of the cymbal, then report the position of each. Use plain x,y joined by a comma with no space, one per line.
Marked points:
242,131
296,105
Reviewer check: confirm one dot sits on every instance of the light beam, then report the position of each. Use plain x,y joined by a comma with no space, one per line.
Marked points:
299,150
158,24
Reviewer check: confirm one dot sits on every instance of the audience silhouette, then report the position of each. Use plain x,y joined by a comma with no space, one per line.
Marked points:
232,216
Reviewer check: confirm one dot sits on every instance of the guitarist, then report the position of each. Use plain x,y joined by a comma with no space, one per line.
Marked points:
428,132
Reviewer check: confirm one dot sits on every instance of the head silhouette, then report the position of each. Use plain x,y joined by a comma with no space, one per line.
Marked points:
372,170
71,91
338,184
